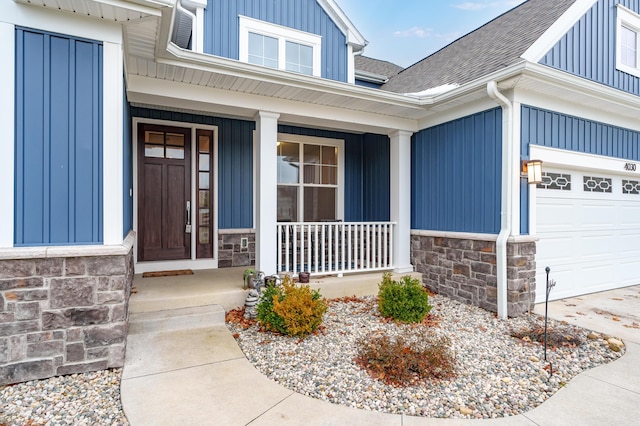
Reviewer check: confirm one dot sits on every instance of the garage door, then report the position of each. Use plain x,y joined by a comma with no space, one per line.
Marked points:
589,229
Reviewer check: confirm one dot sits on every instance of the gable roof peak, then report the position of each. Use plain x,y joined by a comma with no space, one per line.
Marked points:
497,44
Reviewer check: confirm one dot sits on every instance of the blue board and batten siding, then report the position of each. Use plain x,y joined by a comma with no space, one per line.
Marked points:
58,142
561,131
456,175
589,47
555,130
366,167
222,27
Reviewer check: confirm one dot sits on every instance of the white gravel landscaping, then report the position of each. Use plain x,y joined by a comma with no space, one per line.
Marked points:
496,374
76,399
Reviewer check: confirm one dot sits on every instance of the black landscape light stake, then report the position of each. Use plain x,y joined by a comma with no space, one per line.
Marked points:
550,285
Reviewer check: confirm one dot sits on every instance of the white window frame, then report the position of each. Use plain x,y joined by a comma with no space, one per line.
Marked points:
312,140
631,20
283,34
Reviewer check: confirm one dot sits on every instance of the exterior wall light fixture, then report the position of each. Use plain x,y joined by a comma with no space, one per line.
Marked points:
532,170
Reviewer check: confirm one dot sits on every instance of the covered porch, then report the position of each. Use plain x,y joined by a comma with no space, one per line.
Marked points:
224,287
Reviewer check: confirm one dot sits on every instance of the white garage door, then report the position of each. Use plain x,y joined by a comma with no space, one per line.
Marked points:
589,229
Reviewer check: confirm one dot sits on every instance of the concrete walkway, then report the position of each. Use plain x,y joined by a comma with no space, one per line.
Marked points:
199,376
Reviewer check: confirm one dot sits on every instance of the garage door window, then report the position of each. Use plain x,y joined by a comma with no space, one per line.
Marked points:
558,181
597,184
631,187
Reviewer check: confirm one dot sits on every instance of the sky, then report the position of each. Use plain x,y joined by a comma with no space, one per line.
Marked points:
406,31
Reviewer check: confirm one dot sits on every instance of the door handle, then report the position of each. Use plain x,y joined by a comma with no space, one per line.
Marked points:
187,228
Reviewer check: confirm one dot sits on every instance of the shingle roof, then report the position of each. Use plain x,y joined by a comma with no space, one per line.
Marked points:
376,66
495,45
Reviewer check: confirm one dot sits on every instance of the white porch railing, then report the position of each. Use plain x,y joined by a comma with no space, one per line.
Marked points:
335,248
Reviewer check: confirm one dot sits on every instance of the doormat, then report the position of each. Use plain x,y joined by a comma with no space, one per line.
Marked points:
167,273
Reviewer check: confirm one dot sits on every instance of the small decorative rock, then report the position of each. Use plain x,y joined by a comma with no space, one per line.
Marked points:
615,345
534,359
466,411
593,336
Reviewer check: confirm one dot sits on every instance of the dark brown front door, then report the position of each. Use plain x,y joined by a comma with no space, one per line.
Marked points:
164,192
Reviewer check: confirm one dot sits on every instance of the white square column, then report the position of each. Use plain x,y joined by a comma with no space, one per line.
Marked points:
7,135
401,199
266,191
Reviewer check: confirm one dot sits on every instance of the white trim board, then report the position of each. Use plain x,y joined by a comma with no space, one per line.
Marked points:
557,30
581,161
7,133
112,147
192,263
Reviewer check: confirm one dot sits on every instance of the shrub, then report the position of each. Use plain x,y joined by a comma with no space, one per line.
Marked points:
406,360
290,309
405,301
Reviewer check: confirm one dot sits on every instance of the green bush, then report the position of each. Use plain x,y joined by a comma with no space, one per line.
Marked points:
405,300
407,359
290,309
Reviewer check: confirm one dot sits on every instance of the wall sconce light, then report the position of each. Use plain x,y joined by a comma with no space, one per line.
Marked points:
532,170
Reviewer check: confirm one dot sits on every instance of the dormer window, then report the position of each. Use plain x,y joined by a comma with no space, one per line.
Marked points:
628,41
275,46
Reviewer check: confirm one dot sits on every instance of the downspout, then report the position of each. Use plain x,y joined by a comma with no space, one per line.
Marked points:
507,188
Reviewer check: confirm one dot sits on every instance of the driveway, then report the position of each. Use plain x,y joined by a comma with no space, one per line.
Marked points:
613,312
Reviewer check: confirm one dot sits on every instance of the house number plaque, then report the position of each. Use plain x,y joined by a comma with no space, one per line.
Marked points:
631,167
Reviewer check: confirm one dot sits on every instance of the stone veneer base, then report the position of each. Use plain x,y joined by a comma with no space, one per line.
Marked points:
230,252
463,267
63,310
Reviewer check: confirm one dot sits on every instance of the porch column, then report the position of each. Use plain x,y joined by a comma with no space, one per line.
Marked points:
266,191
401,199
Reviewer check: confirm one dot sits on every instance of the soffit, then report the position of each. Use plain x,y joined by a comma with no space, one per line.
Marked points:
111,10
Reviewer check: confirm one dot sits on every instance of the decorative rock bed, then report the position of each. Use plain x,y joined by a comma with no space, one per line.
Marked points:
496,375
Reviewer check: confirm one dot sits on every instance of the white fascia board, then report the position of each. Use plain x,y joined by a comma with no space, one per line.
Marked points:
147,90
510,77
354,37
552,76
557,30
457,111
63,23
208,63
582,110
581,161
371,77
7,133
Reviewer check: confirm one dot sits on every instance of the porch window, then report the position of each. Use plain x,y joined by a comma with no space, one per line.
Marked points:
628,40
275,46
308,181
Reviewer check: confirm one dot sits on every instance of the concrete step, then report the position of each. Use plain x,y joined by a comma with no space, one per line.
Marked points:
176,319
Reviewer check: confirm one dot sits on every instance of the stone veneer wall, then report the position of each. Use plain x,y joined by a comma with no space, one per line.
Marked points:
465,269
230,254
63,310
